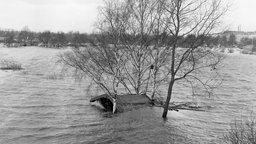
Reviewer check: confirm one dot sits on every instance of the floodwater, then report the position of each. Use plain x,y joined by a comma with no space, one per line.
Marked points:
39,105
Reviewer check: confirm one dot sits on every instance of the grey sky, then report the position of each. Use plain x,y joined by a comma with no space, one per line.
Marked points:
242,13
79,15
54,15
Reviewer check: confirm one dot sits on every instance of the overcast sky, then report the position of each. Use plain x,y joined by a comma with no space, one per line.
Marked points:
54,15
79,15
242,12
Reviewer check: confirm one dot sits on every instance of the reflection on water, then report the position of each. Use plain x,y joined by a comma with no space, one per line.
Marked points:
37,109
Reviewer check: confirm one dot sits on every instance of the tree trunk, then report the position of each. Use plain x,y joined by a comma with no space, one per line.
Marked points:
154,85
169,94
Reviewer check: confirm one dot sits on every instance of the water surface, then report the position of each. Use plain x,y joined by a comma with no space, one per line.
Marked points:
38,105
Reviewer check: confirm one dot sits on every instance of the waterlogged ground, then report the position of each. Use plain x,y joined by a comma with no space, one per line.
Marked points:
39,105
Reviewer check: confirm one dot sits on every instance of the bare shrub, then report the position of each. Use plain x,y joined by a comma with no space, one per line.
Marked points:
242,132
10,65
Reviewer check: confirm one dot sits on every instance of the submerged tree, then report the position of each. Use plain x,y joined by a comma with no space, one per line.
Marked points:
125,57
138,51
197,17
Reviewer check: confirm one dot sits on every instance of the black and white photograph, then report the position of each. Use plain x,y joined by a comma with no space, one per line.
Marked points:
127,72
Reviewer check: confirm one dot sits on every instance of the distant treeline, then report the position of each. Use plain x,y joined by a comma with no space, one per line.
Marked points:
44,39
76,39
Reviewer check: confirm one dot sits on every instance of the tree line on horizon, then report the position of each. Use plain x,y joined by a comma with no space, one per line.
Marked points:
50,39
26,37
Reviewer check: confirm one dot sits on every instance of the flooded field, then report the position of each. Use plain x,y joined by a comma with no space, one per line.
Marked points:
39,105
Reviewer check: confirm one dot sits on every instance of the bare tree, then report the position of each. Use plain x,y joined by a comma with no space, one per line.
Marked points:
58,39
77,39
186,17
45,37
137,49
123,52
9,38
25,37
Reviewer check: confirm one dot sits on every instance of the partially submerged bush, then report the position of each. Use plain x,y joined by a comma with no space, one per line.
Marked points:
254,49
10,65
244,51
242,132
231,50
54,76
222,50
